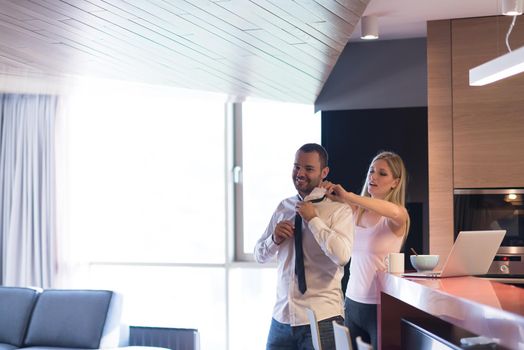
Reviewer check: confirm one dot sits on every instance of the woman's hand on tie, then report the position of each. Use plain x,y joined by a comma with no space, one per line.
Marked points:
335,192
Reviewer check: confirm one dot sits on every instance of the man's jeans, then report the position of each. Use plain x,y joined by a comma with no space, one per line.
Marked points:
284,337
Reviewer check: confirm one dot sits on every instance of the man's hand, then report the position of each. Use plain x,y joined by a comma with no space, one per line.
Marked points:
284,230
306,210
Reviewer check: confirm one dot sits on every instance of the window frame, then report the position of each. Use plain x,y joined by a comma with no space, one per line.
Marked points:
234,115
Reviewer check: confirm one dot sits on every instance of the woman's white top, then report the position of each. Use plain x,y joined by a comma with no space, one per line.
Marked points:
370,248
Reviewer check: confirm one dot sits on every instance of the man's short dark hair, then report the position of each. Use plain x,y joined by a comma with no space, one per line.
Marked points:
315,147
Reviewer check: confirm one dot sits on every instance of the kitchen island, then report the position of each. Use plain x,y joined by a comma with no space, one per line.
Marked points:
480,306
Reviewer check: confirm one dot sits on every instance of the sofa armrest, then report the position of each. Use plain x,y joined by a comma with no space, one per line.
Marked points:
111,336
124,336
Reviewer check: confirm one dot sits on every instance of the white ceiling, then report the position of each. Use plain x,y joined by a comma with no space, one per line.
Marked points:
275,49
401,19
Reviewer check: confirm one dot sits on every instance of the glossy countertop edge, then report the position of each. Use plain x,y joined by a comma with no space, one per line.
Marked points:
481,306
505,280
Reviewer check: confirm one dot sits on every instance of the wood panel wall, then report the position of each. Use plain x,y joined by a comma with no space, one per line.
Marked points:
488,121
440,137
475,134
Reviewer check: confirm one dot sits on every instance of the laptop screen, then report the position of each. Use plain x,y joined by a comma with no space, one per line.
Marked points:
471,254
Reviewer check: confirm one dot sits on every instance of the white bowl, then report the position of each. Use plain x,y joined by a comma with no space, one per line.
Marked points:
424,262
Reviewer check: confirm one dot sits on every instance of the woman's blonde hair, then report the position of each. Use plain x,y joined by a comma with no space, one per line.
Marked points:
397,195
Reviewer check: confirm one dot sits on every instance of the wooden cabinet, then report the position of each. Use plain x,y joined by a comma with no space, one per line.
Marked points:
488,121
475,134
440,137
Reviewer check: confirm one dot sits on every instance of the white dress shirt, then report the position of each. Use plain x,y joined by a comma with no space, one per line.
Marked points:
327,241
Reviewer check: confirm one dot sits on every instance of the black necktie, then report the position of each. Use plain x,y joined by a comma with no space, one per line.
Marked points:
299,252
299,255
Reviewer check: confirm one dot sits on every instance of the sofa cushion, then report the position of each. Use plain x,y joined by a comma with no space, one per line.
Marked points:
55,348
16,305
7,347
59,348
69,318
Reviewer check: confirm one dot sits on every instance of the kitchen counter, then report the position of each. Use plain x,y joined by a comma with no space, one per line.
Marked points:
481,306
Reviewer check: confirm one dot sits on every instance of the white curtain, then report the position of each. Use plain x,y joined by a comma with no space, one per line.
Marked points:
27,190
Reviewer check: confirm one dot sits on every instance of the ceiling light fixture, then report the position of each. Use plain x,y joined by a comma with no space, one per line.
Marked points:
511,7
369,27
499,68
506,65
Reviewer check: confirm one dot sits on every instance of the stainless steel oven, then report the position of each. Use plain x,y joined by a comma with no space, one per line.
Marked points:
492,209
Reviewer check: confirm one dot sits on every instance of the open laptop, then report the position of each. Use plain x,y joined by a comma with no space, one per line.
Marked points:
471,254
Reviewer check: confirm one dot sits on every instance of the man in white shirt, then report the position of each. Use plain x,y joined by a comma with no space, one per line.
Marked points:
327,241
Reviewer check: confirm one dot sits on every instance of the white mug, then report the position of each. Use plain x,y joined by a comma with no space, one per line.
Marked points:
395,262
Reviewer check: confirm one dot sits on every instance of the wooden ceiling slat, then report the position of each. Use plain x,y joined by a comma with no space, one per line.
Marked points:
258,23
214,10
34,9
321,51
206,20
123,65
15,37
212,42
16,56
103,52
110,49
126,33
179,48
276,12
294,10
274,49
355,6
302,47
149,17
15,12
87,6
285,31
78,12
214,64
248,41
98,13
288,54
328,29
16,24
152,13
345,21
62,9
337,31
122,68
332,9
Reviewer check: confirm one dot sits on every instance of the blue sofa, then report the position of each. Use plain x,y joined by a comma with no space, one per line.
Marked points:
57,319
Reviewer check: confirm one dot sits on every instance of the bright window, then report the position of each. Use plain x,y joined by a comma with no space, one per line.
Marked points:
271,134
144,205
146,171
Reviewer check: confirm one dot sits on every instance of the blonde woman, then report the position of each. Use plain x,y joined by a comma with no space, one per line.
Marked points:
381,226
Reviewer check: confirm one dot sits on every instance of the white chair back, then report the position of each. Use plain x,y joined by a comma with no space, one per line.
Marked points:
361,345
342,338
315,333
